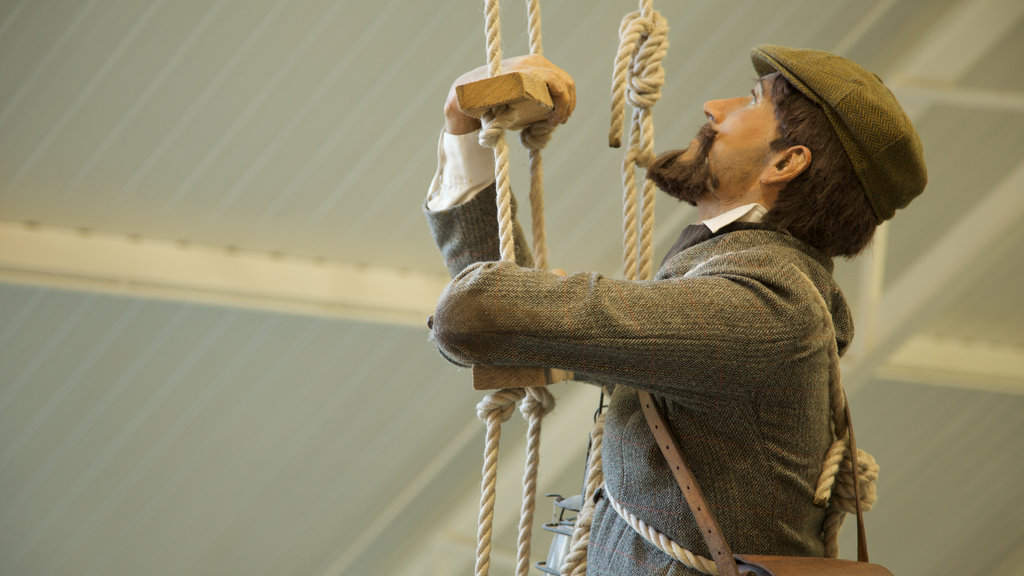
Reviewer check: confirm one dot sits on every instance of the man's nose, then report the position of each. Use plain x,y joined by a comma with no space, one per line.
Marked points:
717,111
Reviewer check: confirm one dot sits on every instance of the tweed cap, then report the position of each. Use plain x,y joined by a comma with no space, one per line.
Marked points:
875,132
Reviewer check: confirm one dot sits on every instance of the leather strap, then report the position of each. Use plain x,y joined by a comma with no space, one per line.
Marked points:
709,528
862,537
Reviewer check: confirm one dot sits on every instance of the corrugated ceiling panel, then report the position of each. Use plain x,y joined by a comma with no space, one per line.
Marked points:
150,437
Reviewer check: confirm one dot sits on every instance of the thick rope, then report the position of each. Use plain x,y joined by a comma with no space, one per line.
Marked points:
835,484
493,410
575,562
662,542
535,138
538,403
643,43
638,78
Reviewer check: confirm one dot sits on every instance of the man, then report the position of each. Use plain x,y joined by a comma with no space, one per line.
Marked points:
728,337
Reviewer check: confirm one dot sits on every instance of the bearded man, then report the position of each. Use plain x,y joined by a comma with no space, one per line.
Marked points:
728,337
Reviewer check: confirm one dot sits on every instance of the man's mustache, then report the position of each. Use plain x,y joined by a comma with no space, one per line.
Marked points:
705,138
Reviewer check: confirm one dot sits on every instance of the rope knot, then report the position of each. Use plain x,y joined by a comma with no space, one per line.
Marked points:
536,136
646,76
501,404
842,494
493,124
538,403
639,74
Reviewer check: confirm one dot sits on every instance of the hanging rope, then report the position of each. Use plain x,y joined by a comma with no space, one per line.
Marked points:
494,409
638,78
537,402
643,43
575,562
835,484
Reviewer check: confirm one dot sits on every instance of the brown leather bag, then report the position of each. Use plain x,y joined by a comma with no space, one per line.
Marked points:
751,565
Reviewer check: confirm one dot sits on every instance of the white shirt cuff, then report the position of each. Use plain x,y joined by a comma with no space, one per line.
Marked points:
464,167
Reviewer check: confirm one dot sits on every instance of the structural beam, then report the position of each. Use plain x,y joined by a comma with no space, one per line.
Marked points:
925,77
916,93
961,38
146,268
972,365
941,274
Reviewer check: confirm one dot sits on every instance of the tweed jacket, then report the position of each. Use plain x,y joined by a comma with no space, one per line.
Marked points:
727,337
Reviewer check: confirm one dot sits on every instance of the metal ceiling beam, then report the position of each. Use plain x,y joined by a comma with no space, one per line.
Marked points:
974,365
146,268
961,38
941,274
916,93
927,76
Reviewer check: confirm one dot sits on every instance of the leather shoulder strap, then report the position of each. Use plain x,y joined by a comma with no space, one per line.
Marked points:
709,528
862,537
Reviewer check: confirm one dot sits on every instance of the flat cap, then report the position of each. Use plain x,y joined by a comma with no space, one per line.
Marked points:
878,137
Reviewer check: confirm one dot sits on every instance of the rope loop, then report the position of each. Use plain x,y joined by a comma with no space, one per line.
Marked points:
835,486
493,125
538,403
536,136
639,74
499,404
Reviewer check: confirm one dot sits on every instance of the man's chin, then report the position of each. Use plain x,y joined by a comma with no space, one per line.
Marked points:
678,177
687,196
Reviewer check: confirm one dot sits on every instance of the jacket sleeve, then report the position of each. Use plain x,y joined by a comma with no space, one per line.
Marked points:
711,332
468,232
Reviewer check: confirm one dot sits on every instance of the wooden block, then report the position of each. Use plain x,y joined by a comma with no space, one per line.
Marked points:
526,94
499,377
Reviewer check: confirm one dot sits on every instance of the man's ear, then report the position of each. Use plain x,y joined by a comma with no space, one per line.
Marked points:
787,165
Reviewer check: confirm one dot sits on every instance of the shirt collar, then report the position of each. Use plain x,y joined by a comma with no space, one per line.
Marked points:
747,213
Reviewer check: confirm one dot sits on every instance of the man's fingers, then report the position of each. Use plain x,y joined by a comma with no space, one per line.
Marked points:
563,96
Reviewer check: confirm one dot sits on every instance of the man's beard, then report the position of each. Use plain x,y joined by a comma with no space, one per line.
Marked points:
686,180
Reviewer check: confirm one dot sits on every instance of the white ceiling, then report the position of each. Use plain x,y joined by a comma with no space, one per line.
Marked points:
214,276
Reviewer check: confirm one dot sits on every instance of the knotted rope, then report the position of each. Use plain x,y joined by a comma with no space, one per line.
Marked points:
835,484
638,78
496,408
537,404
534,138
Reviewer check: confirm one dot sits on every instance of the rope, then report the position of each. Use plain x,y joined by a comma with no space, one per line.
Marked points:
638,78
537,402
662,542
643,43
575,562
534,137
493,410
835,484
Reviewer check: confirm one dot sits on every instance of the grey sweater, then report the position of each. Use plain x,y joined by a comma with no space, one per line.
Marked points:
727,337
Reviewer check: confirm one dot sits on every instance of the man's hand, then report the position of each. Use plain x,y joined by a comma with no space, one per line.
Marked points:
561,86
